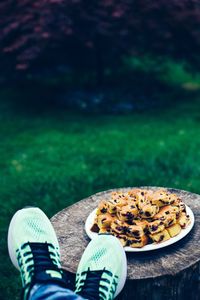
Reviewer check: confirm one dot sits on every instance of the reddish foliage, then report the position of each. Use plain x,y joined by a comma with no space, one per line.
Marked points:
107,27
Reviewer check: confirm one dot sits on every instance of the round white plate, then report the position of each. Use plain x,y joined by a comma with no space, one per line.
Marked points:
90,220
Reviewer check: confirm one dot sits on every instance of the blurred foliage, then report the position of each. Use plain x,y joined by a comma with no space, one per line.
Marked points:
95,35
165,69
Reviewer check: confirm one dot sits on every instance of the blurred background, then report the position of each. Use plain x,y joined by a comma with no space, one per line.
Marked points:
95,95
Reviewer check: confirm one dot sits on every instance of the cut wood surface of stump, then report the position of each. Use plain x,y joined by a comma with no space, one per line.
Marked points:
169,273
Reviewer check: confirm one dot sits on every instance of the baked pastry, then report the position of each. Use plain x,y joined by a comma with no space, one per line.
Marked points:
166,211
118,227
120,197
180,205
137,243
170,220
155,226
113,204
133,194
104,220
142,223
174,230
183,220
122,238
102,207
135,231
104,230
162,197
127,213
160,237
148,211
95,228
141,198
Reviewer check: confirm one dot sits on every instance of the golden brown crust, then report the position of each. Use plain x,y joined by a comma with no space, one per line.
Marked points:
135,231
155,226
137,243
104,220
148,211
127,213
174,230
183,220
160,237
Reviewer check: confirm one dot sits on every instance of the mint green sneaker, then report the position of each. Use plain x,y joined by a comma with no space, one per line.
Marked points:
33,249
102,271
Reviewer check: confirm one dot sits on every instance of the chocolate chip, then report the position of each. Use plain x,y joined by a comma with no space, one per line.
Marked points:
137,233
130,222
129,215
147,214
94,228
119,228
154,227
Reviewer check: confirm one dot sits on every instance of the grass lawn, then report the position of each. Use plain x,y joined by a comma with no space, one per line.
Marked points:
52,159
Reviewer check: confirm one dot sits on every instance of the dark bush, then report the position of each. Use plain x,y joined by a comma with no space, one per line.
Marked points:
95,34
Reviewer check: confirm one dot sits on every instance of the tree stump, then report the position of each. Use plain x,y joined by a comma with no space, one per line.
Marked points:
169,273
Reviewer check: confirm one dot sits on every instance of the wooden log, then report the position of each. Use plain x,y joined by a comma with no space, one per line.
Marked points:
169,273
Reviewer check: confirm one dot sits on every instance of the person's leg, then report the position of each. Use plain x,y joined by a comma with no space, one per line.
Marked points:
52,292
102,270
34,251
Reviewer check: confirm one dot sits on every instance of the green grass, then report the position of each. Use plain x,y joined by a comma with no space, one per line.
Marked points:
53,159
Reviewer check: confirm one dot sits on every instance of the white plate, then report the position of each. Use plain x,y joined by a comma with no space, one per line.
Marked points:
90,220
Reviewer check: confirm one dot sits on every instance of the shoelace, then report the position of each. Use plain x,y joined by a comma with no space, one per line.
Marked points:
92,286
39,257
43,260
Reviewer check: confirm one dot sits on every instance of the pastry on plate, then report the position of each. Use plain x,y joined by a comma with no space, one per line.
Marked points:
141,216
183,220
142,223
102,207
180,205
127,213
113,204
155,226
174,230
122,238
104,220
104,230
170,220
148,211
135,231
137,243
160,237
118,227
162,198
141,198
167,215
